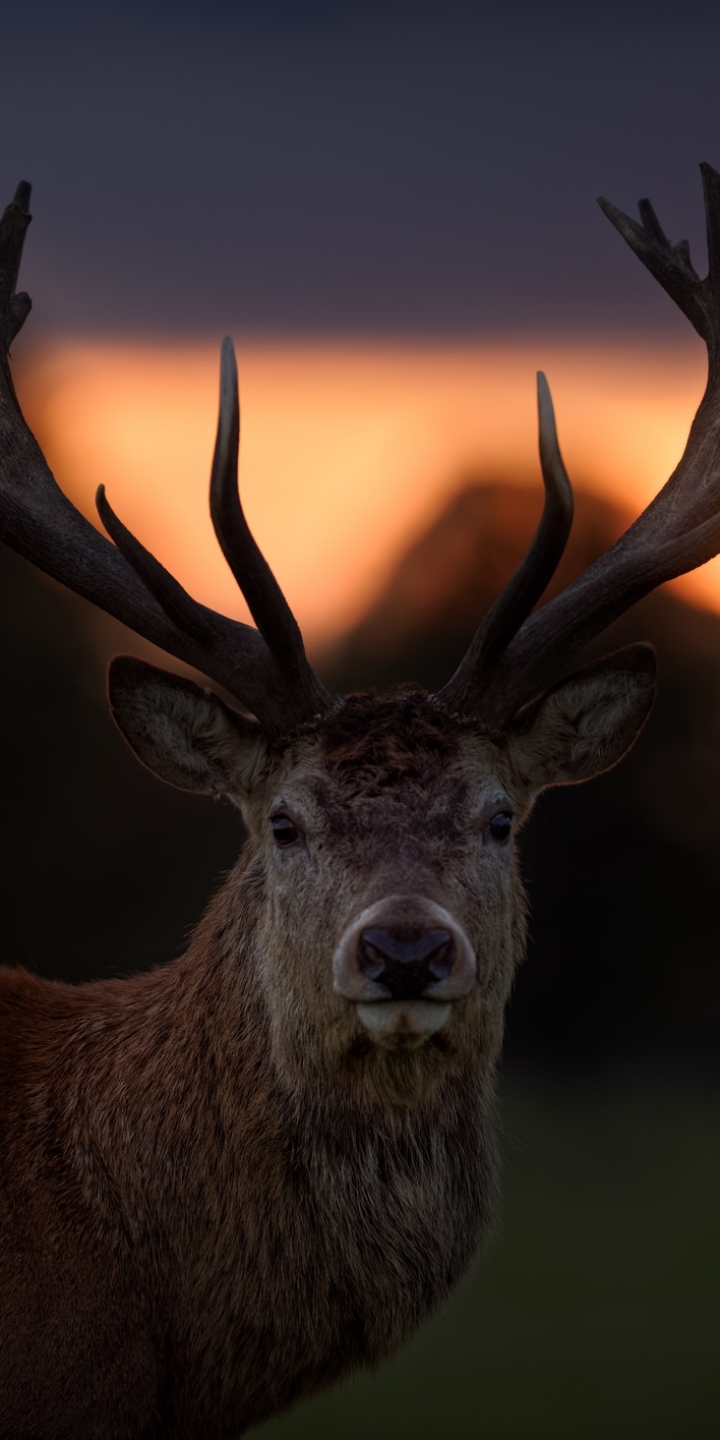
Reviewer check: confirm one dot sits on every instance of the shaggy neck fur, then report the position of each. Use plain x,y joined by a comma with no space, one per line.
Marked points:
228,1204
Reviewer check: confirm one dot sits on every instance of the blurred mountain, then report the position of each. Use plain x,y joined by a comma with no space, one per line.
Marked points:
420,624
623,873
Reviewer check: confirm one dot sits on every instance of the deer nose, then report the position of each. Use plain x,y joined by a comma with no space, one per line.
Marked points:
405,964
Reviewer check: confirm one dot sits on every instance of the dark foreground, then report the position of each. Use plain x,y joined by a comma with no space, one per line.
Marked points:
595,1311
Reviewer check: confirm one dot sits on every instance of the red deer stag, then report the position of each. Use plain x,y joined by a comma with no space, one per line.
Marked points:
226,1183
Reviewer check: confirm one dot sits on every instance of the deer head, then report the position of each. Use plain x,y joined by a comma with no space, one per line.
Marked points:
381,829
381,853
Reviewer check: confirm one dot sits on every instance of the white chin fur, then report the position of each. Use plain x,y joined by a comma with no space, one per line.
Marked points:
402,1023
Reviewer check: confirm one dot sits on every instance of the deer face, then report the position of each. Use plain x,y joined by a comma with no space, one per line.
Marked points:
391,892
389,916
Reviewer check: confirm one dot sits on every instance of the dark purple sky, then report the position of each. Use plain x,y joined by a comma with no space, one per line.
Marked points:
372,168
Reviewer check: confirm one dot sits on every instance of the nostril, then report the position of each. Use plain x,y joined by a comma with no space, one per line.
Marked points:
372,961
442,959
405,964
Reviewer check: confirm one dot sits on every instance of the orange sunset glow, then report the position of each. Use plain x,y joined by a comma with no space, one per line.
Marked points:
348,450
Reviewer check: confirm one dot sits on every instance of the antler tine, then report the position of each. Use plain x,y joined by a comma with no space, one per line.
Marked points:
123,579
14,307
679,529
179,607
265,599
504,618
671,264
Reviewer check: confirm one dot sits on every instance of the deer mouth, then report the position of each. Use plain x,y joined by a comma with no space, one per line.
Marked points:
402,1024
403,962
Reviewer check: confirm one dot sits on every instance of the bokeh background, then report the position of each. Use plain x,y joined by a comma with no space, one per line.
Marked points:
391,208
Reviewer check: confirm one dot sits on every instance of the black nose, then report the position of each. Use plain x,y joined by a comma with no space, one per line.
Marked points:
405,963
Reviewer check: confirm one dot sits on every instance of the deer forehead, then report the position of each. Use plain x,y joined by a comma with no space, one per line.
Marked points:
384,769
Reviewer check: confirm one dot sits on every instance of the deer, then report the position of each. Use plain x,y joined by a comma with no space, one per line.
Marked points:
229,1181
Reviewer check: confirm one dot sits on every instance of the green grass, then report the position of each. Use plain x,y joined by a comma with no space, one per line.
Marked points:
594,1312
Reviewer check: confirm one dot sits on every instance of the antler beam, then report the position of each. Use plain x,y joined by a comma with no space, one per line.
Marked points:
267,671
678,531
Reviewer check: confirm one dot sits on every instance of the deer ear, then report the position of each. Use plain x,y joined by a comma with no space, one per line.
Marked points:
587,723
184,734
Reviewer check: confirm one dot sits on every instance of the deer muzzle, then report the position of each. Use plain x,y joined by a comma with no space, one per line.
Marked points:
403,962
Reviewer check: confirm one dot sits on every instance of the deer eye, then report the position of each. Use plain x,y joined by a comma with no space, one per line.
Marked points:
285,832
500,826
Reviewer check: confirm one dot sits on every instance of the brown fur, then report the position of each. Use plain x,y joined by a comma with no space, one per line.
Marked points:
218,1193
377,742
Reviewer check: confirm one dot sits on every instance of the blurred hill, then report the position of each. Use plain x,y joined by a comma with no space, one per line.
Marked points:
421,622
623,873
105,870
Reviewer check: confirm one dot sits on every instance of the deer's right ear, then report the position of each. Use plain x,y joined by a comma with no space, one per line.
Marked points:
586,723
184,734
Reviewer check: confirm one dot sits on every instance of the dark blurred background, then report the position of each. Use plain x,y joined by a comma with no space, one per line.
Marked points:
402,171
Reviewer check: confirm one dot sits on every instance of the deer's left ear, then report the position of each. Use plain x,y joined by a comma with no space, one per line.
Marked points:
587,723
184,734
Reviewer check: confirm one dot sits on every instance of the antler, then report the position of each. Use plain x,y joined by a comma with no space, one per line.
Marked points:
265,669
514,654
678,531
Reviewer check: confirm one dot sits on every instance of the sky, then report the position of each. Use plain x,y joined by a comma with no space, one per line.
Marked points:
349,450
392,208
380,168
